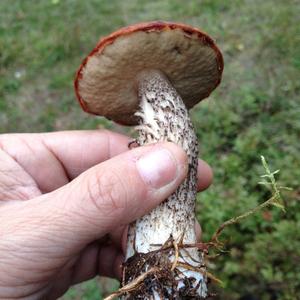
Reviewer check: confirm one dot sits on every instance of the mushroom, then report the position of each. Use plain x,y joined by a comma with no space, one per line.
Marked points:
149,75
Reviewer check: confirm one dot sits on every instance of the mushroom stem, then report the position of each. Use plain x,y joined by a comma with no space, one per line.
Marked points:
158,239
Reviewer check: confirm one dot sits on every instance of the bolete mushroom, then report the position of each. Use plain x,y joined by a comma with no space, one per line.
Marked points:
149,75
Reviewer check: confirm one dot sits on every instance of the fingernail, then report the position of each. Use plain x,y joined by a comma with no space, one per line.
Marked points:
158,168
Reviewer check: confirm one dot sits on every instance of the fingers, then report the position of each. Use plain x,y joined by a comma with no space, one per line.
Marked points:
205,175
80,150
53,159
96,259
106,196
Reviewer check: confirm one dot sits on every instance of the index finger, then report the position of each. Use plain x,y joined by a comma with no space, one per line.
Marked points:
80,150
53,159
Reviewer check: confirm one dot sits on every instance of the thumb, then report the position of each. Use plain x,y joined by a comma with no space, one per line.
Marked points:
123,188
113,193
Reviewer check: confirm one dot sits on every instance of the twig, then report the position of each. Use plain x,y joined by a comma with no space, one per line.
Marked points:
132,285
199,270
235,220
176,256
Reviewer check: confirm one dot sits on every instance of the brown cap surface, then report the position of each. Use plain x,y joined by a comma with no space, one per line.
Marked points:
106,80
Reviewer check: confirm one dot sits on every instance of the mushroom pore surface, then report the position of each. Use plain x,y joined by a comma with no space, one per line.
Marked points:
107,81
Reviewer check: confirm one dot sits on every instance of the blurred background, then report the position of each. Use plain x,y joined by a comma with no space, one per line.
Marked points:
255,111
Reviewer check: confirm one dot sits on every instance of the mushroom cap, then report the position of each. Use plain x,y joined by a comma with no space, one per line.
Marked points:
106,82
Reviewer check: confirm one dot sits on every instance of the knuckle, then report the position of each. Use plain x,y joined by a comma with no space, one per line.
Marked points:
108,192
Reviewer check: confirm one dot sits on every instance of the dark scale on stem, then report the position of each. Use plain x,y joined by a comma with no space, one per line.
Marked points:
164,117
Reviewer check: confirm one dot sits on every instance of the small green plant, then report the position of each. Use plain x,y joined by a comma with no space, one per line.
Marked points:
270,181
217,247
275,200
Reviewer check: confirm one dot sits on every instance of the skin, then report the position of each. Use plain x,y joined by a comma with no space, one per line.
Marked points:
66,199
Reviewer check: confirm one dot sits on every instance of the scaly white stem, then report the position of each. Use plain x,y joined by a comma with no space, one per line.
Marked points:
164,117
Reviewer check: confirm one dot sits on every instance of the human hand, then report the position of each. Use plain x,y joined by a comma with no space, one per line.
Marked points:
65,201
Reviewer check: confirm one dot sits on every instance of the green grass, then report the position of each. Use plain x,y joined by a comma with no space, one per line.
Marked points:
255,111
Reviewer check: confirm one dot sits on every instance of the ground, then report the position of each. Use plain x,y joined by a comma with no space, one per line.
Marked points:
254,112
